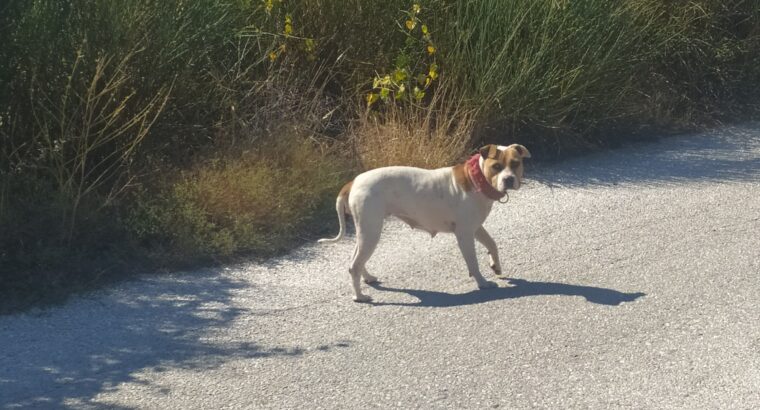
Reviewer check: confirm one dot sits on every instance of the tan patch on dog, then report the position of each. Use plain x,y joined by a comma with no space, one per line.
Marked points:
461,177
346,190
493,152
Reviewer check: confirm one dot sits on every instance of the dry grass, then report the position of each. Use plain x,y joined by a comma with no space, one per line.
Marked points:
257,202
431,136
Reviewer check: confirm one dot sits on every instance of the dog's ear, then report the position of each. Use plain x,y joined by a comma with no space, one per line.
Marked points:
520,150
489,151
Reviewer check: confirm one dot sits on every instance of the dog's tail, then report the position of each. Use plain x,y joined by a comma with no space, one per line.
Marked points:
341,206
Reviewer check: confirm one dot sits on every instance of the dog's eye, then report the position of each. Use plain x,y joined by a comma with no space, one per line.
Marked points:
497,167
514,163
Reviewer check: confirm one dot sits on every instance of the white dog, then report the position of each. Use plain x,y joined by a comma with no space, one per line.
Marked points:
455,199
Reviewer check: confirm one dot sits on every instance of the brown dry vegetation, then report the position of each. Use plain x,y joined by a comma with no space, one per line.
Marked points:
435,135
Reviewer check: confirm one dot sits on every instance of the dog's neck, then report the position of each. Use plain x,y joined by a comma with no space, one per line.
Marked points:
479,180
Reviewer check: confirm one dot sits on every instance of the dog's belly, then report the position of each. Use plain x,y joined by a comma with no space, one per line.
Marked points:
429,220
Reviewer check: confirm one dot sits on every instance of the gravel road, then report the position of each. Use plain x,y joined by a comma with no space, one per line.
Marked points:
633,283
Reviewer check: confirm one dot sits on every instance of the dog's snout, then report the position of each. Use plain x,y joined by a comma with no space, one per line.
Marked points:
509,182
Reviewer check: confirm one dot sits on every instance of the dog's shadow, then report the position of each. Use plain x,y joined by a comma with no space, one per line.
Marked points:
520,288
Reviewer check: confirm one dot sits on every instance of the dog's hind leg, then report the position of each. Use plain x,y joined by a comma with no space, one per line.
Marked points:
482,236
365,275
368,229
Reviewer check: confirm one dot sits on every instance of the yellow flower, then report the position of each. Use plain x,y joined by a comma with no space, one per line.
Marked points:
410,24
431,49
418,94
399,75
424,29
309,42
401,92
381,82
288,25
272,56
433,73
416,8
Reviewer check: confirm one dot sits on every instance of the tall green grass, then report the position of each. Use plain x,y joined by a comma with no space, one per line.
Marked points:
168,133
552,63
575,70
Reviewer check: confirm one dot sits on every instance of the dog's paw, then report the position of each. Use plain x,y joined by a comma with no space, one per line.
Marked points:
487,284
369,279
362,299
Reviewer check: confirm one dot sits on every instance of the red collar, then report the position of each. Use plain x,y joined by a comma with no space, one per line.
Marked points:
479,180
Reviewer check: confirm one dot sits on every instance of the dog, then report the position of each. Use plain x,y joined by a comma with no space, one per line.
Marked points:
453,199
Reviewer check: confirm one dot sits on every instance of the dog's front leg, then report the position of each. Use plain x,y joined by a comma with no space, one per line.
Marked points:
493,252
466,242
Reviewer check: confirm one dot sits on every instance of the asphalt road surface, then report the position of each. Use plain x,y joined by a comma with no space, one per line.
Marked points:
633,283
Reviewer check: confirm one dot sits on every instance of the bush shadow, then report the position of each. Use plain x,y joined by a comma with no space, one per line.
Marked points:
63,358
520,288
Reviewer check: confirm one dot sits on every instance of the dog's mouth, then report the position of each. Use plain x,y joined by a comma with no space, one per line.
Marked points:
506,188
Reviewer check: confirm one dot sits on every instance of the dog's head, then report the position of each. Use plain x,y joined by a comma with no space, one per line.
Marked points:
503,166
